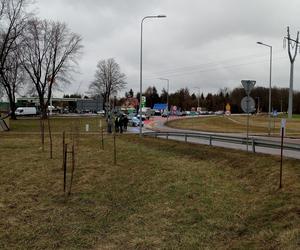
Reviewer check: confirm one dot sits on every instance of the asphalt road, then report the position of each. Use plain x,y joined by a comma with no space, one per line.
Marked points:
158,124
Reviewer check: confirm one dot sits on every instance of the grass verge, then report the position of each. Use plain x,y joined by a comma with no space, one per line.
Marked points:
161,194
58,124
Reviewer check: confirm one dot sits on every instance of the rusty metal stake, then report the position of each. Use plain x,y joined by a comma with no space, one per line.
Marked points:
50,138
73,167
65,166
63,148
102,139
115,150
281,157
42,133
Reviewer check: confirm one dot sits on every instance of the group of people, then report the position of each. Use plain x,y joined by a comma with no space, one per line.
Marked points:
121,122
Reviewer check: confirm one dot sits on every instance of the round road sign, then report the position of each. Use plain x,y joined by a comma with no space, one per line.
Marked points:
248,104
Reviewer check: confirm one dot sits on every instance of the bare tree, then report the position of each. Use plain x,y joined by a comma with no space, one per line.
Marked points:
108,79
49,54
1,91
2,6
12,79
13,17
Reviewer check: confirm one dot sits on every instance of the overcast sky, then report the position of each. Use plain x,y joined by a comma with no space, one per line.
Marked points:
202,44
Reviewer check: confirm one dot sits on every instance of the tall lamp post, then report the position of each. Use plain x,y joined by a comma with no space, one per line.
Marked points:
168,82
270,86
141,68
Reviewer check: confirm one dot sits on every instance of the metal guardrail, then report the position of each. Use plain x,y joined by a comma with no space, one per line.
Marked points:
253,142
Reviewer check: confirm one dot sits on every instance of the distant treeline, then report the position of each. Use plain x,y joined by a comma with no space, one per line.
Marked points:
185,100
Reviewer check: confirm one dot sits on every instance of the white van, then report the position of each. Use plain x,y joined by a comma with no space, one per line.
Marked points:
26,111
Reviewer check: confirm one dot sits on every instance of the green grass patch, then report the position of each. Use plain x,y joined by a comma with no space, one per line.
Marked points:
296,116
161,194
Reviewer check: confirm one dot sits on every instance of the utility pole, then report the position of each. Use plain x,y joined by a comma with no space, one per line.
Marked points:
292,44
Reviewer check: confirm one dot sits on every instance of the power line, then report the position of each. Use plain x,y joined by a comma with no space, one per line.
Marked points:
169,71
215,68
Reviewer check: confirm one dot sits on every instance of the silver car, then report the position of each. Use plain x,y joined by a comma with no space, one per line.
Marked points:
135,122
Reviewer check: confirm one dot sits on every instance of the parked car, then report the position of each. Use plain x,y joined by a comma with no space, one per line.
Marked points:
143,117
203,112
130,116
165,114
26,111
219,112
101,112
157,113
179,113
135,122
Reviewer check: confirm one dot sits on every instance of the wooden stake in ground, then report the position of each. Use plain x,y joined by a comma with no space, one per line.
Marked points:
73,167
77,134
63,147
115,150
50,138
283,123
101,131
281,159
65,166
42,126
102,139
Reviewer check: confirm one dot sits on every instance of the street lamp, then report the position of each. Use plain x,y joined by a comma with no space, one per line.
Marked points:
141,67
270,85
168,81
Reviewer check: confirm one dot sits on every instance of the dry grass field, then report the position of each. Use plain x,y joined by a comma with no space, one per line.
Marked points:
237,124
161,194
58,124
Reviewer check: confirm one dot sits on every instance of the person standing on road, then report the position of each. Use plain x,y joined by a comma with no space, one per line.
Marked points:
121,124
117,124
125,122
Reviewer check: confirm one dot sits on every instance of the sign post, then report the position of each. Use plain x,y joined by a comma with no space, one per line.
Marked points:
143,101
282,131
275,114
228,109
248,86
